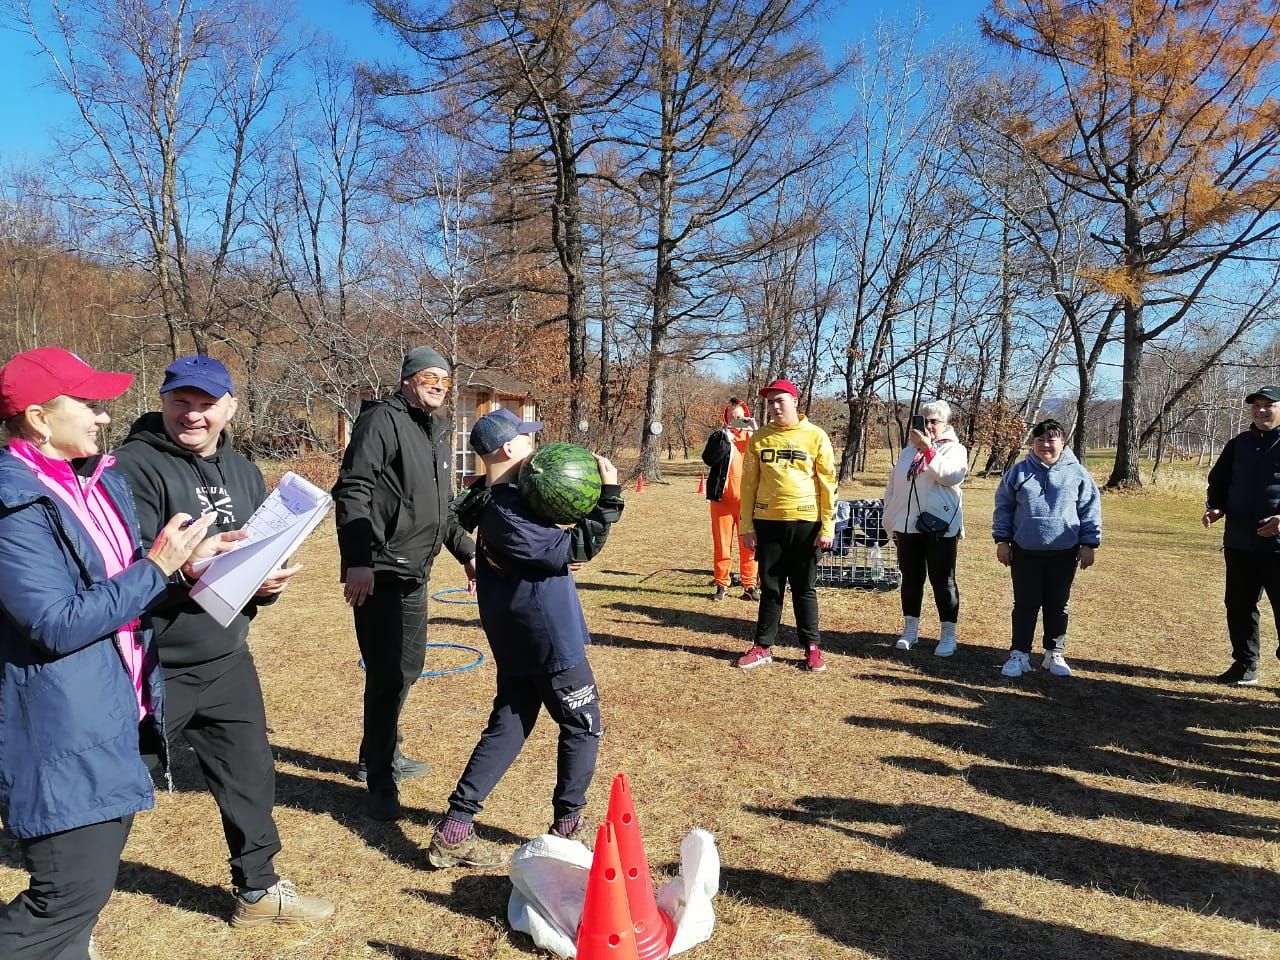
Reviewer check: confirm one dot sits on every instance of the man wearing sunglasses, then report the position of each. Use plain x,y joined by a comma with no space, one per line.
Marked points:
392,505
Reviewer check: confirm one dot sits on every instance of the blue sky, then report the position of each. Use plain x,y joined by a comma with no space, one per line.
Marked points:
32,108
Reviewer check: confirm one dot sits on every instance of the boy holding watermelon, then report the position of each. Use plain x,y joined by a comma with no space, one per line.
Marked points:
532,617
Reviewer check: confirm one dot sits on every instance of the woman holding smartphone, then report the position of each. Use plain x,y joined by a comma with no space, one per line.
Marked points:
723,454
923,512
81,692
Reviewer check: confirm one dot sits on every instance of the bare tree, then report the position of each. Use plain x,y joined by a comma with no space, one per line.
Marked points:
903,221
726,121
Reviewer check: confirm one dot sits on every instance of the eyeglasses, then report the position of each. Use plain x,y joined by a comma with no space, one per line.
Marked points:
933,423
432,379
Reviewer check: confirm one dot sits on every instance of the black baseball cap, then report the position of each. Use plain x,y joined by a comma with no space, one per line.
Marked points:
1269,392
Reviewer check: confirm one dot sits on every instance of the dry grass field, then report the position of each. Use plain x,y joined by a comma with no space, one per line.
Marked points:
897,806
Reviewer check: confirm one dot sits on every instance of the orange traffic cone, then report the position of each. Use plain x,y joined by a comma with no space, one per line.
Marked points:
605,932
639,483
702,483
653,928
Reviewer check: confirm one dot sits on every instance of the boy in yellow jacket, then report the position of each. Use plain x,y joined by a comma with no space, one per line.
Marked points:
788,518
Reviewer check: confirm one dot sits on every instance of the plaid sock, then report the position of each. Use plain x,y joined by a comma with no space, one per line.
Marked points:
566,825
454,831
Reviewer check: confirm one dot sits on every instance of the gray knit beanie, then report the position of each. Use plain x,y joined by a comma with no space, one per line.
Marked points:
419,358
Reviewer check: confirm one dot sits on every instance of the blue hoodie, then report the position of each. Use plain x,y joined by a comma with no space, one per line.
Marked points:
1039,507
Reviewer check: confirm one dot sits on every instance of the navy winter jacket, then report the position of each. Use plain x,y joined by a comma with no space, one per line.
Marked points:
69,753
1039,507
1245,485
528,601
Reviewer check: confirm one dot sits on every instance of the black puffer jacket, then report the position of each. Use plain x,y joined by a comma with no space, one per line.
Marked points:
393,493
1245,485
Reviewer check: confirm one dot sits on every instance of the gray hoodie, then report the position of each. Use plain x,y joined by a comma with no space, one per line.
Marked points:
1041,507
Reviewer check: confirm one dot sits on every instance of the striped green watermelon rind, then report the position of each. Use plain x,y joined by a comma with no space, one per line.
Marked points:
560,482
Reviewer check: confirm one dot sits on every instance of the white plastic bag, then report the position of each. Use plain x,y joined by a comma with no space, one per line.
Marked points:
687,898
549,886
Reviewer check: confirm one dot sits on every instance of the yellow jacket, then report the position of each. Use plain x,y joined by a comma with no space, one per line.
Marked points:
789,473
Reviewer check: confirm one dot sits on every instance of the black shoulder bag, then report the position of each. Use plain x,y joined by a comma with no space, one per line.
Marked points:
926,522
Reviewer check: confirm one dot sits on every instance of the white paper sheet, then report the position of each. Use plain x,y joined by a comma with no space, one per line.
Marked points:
276,529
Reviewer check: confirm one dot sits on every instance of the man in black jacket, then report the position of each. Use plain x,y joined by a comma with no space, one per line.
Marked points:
1244,486
180,460
393,512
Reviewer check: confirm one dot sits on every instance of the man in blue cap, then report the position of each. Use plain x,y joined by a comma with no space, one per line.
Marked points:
180,459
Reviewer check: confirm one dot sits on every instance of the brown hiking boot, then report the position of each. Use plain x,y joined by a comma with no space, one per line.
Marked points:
584,832
281,903
471,852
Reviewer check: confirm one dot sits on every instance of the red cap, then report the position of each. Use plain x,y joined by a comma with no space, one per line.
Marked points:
786,386
37,376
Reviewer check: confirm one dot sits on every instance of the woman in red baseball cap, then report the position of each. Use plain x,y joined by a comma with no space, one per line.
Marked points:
80,685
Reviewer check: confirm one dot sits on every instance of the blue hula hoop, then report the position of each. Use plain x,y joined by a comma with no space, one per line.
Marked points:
428,674
439,595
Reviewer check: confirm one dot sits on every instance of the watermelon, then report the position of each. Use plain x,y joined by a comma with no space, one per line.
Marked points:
560,482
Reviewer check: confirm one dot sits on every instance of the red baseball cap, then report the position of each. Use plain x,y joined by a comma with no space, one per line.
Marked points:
786,386
37,376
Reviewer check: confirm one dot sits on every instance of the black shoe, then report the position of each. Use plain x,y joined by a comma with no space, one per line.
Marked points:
752,594
720,593
385,805
1240,675
402,768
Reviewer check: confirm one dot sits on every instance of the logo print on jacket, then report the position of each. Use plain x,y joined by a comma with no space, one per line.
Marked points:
217,501
769,455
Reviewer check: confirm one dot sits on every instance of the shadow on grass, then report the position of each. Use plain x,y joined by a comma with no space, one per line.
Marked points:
1070,798
347,804
401,952
1095,726
483,896
174,890
11,854
959,840
897,918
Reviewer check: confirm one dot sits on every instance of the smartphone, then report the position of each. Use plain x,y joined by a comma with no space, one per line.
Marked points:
917,423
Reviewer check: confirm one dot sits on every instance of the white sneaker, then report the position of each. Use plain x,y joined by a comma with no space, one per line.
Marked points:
1017,664
910,633
1056,663
946,641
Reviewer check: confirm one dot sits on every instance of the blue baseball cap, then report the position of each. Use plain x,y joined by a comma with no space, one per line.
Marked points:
203,373
494,429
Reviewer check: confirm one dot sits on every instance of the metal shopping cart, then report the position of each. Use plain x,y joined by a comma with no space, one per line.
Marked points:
863,555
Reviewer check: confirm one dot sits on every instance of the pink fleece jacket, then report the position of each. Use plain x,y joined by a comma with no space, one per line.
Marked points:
106,527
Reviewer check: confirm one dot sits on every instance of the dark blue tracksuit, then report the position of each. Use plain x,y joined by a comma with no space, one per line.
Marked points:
533,620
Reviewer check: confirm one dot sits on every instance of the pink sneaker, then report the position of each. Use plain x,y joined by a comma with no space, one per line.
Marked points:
754,657
814,662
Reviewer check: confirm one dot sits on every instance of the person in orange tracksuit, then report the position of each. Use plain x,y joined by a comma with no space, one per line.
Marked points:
723,455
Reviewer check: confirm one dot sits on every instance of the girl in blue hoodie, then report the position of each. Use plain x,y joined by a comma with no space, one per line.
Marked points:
1047,523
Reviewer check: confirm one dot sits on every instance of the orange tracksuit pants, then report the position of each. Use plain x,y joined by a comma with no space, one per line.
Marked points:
724,530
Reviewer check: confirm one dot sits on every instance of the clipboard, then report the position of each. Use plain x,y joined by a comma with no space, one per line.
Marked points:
277,528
